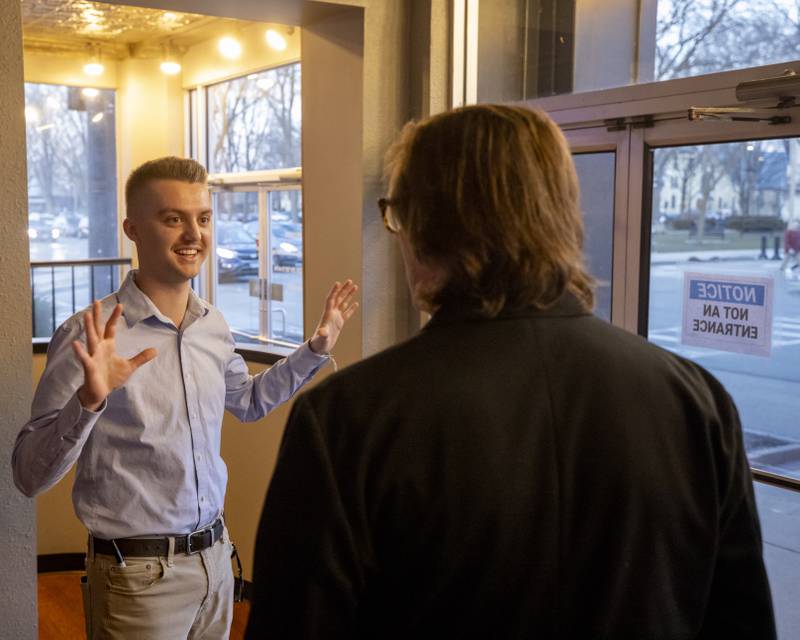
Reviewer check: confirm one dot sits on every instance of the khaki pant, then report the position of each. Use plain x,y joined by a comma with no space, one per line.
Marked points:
177,597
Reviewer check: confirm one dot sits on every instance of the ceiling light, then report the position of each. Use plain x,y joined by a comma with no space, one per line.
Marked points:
32,114
230,47
94,67
170,67
89,92
275,40
97,117
169,63
169,17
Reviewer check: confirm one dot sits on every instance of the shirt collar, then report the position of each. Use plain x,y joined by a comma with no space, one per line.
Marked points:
137,306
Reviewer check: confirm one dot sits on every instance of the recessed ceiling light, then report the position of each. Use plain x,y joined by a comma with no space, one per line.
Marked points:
170,67
275,40
93,69
230,47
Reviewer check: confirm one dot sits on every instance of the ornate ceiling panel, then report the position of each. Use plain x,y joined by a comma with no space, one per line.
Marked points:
71,25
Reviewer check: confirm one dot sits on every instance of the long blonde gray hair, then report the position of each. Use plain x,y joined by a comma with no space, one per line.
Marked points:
490,194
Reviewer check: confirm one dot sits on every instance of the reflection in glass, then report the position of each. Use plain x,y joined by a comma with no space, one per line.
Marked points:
536,48
260,304
237,255
254,121
72,198
524,50
728,209
72,178
596,177
286,245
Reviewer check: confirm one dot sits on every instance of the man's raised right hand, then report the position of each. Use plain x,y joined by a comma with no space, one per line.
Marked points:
103,369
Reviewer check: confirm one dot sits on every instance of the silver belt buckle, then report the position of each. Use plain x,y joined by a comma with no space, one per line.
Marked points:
189,550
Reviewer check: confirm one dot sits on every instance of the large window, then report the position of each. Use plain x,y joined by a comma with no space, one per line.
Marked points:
259,262
252,147
714,201
694,37
737,206
254,121
535,48
596,175
72,202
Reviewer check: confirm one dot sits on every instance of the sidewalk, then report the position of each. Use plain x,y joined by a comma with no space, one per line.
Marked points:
706,255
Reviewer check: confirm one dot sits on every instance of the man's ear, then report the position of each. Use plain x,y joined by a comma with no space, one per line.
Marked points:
130,230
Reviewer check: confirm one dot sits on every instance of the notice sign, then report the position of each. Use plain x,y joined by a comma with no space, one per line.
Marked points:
729,313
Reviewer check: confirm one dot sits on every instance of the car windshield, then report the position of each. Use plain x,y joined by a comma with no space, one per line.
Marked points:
233,234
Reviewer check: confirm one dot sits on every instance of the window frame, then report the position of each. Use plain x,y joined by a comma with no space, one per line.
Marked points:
631,120
196,113
586,120
40,344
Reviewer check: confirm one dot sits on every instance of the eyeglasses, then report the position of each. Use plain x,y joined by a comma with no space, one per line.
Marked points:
390,221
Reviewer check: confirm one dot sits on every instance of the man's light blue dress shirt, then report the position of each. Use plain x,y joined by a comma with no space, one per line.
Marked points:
149,458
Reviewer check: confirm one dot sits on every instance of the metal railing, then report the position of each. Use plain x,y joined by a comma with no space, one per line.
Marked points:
60,288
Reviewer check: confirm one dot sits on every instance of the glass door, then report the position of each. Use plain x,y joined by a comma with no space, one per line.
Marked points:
257,273
721,277
601,162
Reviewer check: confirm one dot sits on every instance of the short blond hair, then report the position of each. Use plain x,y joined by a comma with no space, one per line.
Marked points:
166,168
489,192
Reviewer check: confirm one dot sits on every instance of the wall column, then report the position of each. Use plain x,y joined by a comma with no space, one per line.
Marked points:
17,522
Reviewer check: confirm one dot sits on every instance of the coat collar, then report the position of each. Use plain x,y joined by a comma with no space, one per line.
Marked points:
566,306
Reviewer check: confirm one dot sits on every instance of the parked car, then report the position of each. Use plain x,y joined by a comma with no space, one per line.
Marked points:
237,252
287,244
287,240
41,227
72,224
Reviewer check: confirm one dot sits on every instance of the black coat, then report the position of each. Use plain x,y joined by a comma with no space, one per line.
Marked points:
539,475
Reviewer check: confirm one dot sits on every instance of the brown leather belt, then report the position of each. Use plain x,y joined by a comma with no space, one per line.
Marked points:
188,543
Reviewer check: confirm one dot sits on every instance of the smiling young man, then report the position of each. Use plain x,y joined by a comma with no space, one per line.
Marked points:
150,483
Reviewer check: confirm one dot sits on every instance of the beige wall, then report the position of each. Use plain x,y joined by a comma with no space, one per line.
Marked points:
17,524
149,120
203,64
68,70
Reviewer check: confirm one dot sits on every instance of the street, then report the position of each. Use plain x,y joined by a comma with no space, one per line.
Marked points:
766,390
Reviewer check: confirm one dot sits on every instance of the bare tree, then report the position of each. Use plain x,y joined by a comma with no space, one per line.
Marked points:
255,122
711,171
56,138
703,36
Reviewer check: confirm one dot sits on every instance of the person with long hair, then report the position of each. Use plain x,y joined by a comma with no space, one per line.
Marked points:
520,468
